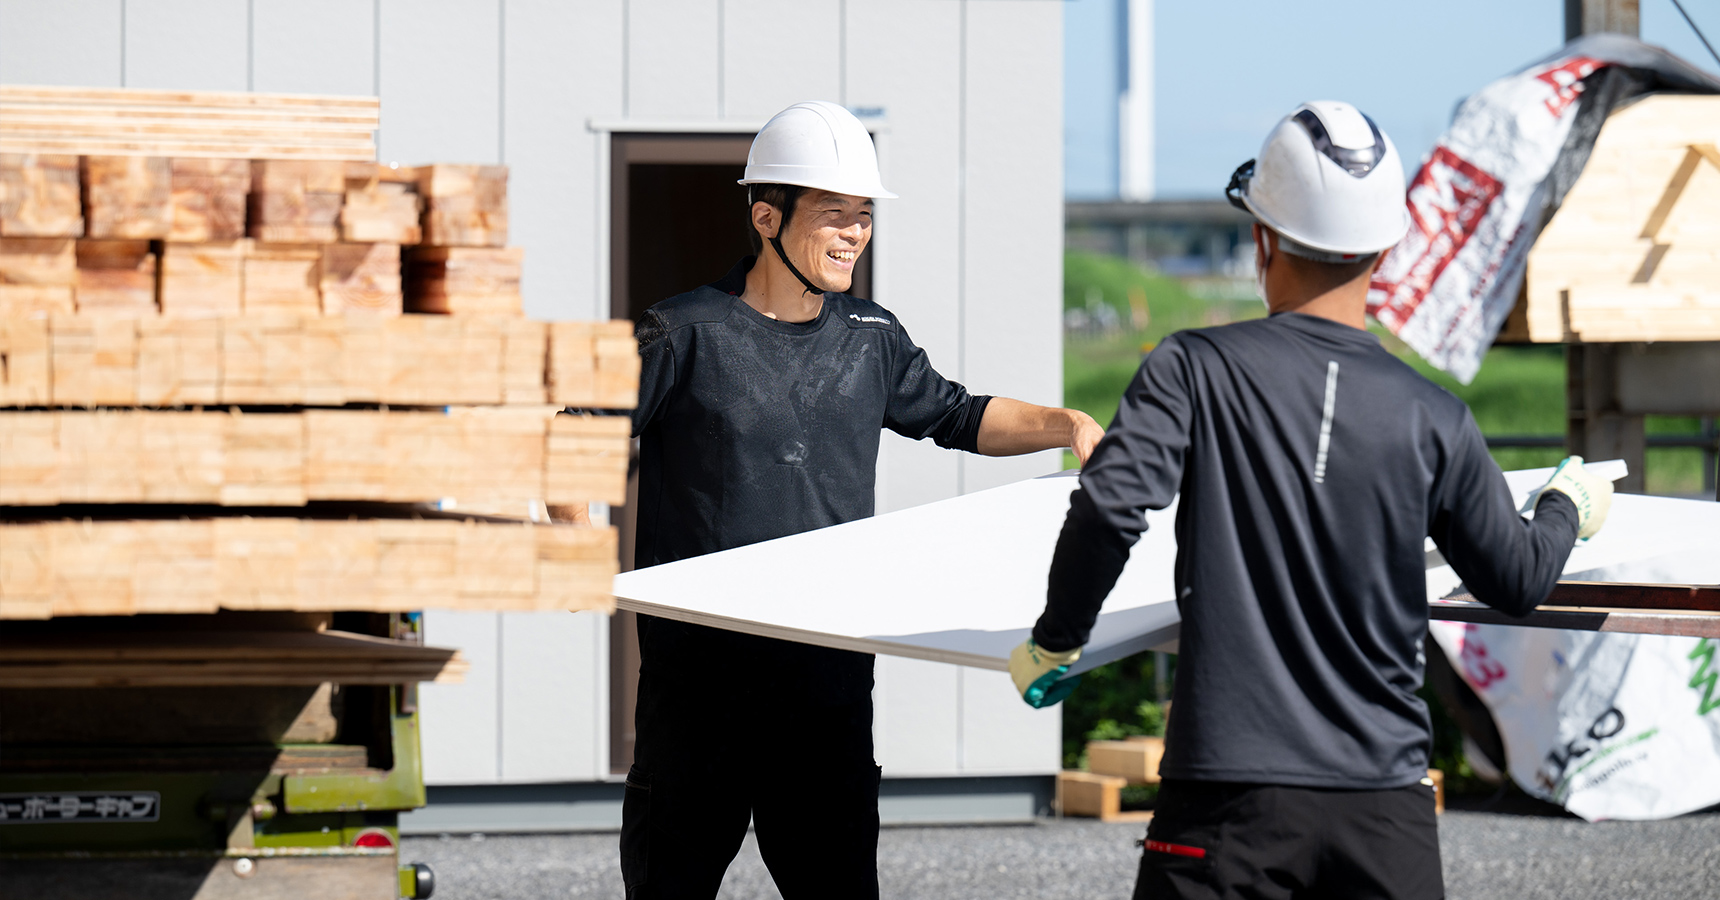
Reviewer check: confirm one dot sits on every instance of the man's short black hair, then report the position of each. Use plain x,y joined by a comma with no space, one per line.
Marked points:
783,197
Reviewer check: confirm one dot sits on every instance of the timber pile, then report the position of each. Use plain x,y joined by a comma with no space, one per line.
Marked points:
161,252
220,659
479,455
1633,254
124,567
132,122
411,360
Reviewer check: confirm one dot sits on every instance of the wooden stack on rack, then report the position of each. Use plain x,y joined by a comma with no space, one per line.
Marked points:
1111,766
1633,254
156,267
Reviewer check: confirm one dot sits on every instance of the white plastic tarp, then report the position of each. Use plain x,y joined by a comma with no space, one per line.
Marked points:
1611,726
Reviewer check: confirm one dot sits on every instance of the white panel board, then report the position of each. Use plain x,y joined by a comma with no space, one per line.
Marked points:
554,691
672,67
314,46
1014,173
552,157
64,42
461,722
187,45
756,34
913,603
899,595
917,705
1002,735
441,81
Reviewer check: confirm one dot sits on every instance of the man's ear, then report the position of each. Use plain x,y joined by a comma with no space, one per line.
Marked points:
765,218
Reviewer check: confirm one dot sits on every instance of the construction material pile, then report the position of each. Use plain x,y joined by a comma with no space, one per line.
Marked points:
261,380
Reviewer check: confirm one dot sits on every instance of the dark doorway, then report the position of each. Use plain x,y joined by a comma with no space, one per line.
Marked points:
677,220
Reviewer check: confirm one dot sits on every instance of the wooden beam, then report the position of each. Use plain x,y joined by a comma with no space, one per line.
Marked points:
121,567
220,659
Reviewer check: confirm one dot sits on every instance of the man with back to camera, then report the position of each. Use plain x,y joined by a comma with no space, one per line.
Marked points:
1311,463
761,400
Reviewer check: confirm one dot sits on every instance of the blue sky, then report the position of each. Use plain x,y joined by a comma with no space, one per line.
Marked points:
1226,70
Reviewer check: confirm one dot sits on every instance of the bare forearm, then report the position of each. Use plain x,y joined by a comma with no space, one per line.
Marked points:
1011,427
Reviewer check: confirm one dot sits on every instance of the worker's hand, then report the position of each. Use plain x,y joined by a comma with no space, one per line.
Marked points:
1084,435
1591,493
1036,671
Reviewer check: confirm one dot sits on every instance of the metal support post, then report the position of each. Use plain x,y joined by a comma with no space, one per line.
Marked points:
1595,427
1596,16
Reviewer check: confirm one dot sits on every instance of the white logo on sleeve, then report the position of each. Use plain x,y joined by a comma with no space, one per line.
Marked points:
874,320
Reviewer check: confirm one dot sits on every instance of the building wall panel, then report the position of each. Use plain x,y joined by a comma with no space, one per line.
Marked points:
916,724
441,81
673,70
1012,211
1001,735
461,731
550,95
554,693
65,42
761,74
187,45
314,46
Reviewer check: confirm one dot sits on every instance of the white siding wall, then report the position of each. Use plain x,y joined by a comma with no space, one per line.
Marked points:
970,257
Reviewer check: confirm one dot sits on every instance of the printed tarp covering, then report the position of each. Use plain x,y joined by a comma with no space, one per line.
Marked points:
1491,182
1610,726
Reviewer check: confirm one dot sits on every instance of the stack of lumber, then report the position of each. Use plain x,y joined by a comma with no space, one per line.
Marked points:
69,361
1111,766
122,567
230,458
132,122
1633,254
381,205
40,196
219,659
243,252
464,264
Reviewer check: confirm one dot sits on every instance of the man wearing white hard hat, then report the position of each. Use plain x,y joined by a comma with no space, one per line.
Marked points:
1311,464
761,401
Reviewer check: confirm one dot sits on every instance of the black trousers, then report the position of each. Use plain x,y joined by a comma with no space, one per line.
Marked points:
709,759
1216,840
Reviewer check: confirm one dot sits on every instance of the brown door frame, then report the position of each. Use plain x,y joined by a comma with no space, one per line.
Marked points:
627,149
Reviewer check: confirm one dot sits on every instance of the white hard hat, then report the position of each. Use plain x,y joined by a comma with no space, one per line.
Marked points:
1329,181
816,144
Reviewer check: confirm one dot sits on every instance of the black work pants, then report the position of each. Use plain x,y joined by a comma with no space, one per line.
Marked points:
713,754
1211,840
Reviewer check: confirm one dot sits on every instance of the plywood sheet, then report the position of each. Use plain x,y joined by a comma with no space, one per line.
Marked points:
963,580
958,581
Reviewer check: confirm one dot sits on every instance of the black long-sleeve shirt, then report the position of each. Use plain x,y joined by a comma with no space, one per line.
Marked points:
751,428
1311,465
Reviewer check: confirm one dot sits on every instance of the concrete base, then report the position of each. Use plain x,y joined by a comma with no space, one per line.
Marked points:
596,806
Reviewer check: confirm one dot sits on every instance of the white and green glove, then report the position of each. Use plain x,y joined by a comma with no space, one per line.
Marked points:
1036,671
1591,493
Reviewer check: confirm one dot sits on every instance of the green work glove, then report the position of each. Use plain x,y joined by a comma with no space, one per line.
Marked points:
1036,670
1591,493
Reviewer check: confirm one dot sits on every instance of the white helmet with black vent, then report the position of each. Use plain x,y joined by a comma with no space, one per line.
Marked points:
1328,181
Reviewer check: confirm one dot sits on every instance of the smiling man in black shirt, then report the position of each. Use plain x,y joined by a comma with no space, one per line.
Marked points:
761,401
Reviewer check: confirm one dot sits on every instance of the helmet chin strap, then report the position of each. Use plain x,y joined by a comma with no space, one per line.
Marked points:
776,244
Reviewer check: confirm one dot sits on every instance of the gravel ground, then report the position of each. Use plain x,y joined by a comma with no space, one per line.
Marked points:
1487,855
